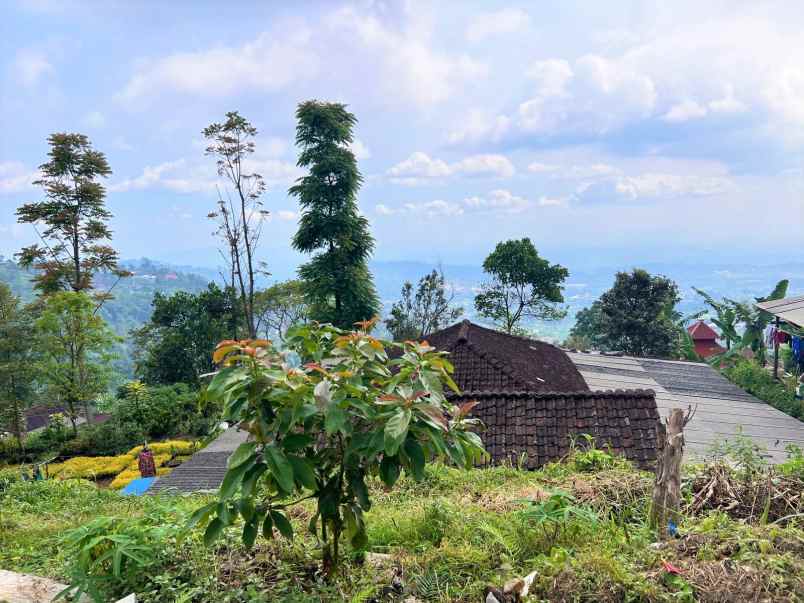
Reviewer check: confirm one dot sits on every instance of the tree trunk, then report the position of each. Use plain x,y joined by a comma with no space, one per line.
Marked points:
667,487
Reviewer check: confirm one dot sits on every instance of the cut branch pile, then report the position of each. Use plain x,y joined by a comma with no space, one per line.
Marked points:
765,496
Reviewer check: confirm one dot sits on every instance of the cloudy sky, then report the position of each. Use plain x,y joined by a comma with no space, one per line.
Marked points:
612,131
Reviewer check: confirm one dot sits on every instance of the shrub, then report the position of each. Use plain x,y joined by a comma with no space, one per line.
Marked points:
327,426
757,381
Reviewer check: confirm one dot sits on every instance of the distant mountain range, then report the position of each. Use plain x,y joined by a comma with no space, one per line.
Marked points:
131,305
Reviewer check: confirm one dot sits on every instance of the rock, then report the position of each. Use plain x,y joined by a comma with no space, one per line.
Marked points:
514,587
657,546
494,595
378,560
528,580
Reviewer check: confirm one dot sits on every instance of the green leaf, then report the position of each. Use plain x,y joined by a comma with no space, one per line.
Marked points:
251,477
213,531
250,533
395,431
335,419
357,484
200,515
389,470
295,442
303,472
246,506
415,454
280,468
282,524
242,454
233,478
268,527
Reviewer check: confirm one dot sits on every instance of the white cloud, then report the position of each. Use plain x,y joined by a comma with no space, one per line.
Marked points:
30,66
420,168
573,172
165,176
498,201
505,21
286,215
672,185
479,126
15,177
727,104
684,111
270,62
401,58
182,176
498,166
94,119
360,150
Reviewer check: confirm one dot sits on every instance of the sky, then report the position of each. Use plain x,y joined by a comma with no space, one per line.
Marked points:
606,132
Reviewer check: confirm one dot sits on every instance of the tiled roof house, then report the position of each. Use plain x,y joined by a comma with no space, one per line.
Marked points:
705,339
533,400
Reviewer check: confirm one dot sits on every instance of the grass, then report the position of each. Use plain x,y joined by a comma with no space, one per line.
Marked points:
448,537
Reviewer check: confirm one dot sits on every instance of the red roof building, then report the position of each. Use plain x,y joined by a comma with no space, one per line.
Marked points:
705,339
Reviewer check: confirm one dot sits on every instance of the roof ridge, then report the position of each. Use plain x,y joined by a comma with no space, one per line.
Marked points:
498,363
615,393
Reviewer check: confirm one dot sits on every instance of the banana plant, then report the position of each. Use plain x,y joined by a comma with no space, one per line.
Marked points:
725,318
755,320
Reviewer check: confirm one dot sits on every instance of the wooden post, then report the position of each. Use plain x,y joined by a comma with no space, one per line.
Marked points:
667,486
776,352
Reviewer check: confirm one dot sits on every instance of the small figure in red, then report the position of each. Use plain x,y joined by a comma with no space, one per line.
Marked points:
146,462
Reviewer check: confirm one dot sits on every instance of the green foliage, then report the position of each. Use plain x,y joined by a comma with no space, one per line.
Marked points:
429,310
522,285
450,535
638,315
588,332
757,381
794,465
74,217
337,280
280,307
557,515
755,320
725,317
325,428
17,363
175,345
75,345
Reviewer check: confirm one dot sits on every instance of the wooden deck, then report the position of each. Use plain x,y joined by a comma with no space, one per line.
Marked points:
723,409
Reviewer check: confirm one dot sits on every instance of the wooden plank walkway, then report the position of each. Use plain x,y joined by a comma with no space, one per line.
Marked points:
723,409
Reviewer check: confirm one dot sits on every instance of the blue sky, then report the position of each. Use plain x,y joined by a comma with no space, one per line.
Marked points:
606,132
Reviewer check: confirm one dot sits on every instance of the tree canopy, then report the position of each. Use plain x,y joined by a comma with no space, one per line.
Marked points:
522,285
417,315
73,215
638,314
75,345
337,280
176,344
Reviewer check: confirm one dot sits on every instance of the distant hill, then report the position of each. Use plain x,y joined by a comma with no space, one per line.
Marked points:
131,305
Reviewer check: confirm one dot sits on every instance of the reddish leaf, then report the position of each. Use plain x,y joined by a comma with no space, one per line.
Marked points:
670,568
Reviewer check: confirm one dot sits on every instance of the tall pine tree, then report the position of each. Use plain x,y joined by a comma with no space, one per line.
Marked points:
337,279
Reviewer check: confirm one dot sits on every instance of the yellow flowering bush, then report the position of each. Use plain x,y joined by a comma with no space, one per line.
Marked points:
129,475
125,467
90,467
171,447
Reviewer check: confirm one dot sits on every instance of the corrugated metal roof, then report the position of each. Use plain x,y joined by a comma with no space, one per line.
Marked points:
723,409
789,309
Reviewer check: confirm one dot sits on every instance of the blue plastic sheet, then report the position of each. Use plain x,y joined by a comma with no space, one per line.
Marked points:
138,487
